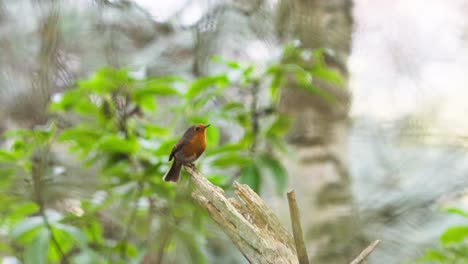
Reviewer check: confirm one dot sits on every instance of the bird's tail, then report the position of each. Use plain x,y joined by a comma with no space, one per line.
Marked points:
174,172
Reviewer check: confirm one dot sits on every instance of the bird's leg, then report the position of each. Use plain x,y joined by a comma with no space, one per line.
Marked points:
191,165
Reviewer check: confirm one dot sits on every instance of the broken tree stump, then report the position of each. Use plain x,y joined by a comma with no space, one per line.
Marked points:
255,230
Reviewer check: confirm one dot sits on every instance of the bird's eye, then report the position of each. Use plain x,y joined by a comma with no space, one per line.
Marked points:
197,128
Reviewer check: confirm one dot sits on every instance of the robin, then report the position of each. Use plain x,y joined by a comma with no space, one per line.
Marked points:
188,149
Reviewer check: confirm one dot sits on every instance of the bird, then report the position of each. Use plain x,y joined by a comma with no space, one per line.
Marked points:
188,149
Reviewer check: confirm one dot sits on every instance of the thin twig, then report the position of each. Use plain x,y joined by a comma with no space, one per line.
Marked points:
297,229
254,115
365,253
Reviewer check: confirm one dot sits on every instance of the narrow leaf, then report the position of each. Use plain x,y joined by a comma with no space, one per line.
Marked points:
458,212
36,252
116,144
276,170
250,175
200,84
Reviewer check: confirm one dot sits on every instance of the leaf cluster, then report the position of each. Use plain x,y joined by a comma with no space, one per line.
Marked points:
122,128
453,246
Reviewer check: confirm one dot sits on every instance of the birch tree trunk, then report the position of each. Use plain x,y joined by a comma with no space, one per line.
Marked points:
319,132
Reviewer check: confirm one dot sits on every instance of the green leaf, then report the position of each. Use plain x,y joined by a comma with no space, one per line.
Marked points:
233,106
154,130
148,104
5,176
23,210
80,134
276,170
212,136
231,159
458,212
18,133
229,63
216,179
36,252
237,147
73,232
64,239
328,75
311,88
434,255
67,237
106,80
66,101
275,85
152,88
117,144
86,107
116,168
130,250
165,147
250,175
30,223
278,143
88,256
279,126
45,133
454,234
93,231
6,156
243,119
302,76
168,79
205,82
25,226
139,258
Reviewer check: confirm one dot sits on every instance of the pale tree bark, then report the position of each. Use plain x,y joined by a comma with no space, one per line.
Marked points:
319,132
253,227
255,230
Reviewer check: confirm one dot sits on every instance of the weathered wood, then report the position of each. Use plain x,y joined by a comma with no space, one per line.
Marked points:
252,226
297,229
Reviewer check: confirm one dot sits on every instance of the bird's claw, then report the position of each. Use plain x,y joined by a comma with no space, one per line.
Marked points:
191,165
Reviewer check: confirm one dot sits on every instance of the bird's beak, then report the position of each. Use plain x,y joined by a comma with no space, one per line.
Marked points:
207,125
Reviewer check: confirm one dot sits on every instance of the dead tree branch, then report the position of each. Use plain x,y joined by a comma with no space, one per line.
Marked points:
297,229
255,230
252,226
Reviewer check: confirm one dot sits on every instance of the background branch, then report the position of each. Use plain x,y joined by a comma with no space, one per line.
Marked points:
365,253
297,229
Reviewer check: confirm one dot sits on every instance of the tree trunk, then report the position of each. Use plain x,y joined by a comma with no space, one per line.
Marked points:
319,132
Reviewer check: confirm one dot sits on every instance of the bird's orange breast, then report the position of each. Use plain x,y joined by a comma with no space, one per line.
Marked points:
196,145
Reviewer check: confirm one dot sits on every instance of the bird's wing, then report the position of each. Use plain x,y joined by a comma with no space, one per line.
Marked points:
178,146
182,142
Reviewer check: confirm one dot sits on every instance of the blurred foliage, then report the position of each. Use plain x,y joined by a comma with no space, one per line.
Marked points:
453,246
120,131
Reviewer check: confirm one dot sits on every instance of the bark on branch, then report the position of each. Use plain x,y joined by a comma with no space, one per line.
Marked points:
251,225
297,229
